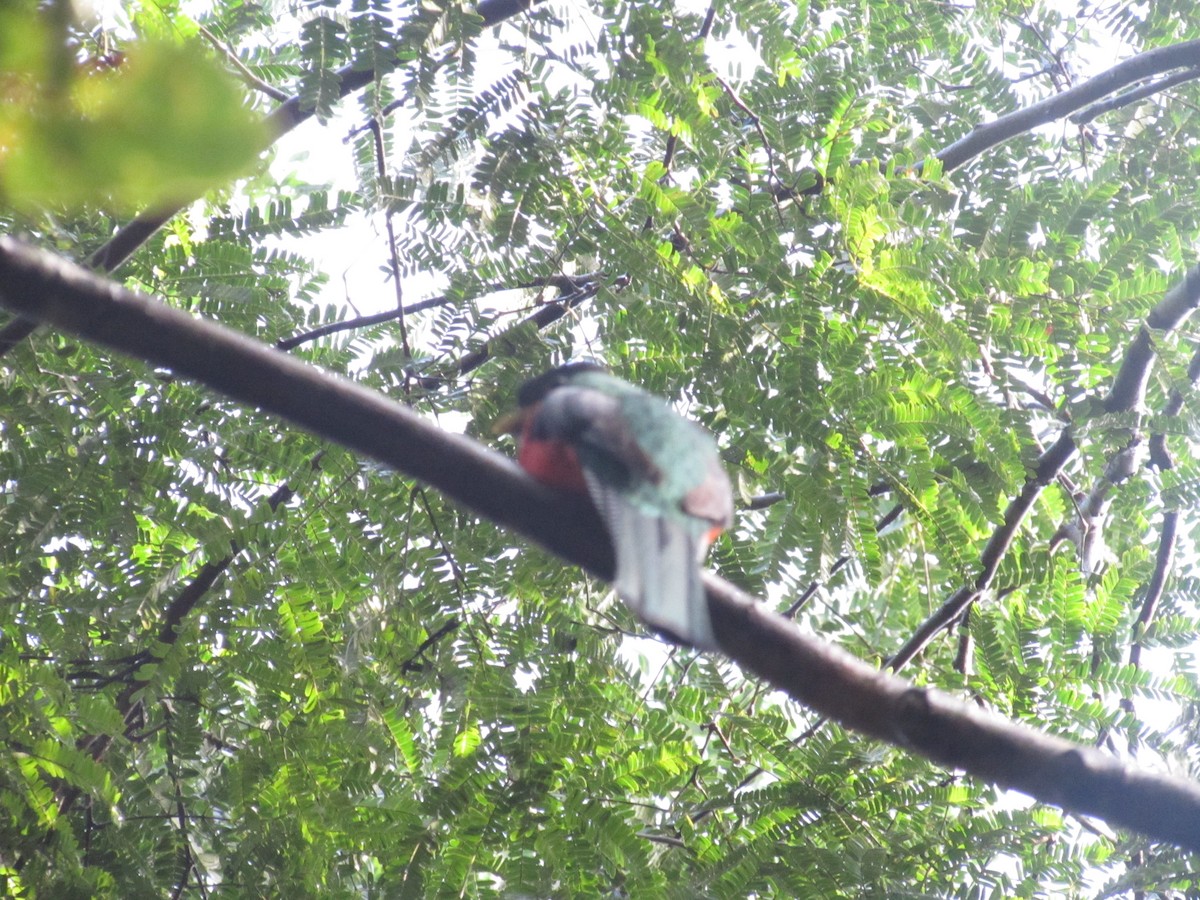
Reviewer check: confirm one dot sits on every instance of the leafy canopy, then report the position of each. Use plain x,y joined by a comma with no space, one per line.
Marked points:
235,658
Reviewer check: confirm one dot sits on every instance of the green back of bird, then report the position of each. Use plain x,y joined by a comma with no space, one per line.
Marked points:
677,450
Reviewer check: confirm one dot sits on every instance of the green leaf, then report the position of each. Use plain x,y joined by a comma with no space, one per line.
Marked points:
165,123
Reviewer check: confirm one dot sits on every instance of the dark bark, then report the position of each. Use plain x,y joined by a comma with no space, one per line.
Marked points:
1137,68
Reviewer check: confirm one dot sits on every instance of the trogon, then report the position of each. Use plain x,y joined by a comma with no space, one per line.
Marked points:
654,476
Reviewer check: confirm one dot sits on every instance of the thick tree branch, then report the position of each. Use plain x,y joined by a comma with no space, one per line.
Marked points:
1093,91
52,290
40,286
928,722
1129,387
1144,65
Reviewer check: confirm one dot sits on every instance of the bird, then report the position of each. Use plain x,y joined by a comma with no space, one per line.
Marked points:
654,476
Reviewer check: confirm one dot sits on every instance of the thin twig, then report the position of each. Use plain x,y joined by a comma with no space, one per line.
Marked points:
673,139
566,283
757,122
249,77
393,254
546,315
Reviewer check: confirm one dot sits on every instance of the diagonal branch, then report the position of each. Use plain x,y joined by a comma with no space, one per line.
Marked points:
546,315
60,293
829,680
565,284
1163,562
1129,387
97,745
1144,65
1134,96
1048,466
1126,394
234,60
1164,559
1088,97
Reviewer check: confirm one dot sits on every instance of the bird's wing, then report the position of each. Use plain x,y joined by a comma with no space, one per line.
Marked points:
657,575
595,423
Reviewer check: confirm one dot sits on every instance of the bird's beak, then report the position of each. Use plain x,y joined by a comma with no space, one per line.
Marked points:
510,423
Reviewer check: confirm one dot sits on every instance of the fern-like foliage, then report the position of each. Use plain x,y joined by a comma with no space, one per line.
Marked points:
235,658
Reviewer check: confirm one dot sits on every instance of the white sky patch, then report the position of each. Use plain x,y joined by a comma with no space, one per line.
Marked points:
525,677
355,256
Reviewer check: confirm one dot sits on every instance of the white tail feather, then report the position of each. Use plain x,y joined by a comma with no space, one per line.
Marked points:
658,573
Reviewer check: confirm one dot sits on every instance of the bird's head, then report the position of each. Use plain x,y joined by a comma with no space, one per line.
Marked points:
535,390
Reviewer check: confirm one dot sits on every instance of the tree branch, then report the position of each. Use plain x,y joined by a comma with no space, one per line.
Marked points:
1078,778
991,134
548,314
1163,561
247,76
1127,393
168,634
1129,387
1133,96
1160,455
1048,466
1144,65
60,293
564,283
673,139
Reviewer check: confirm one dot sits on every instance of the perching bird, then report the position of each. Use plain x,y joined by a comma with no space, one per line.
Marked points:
654,476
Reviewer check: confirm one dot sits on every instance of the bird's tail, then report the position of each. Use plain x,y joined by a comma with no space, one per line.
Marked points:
658,570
